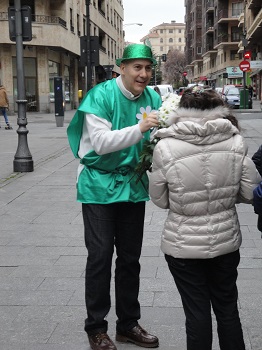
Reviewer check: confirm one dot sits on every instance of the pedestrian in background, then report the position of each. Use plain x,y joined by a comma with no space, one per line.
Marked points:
200,171
250,90
257,159
107,134
4,106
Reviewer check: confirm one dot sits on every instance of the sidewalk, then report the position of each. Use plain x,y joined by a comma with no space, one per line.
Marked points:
42,252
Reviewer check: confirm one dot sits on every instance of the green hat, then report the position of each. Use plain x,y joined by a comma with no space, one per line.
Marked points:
136,51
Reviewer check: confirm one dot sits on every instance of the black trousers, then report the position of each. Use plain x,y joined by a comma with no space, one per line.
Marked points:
107,226
202,283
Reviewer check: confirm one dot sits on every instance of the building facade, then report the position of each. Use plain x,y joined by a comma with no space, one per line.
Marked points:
215,30
54,50
165,37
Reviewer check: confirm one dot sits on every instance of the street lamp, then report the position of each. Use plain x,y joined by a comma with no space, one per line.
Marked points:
132,24
23,161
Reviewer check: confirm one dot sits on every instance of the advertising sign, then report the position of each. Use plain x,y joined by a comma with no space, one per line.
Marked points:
234,72
256,64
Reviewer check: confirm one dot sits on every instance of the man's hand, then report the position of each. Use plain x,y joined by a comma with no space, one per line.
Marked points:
149,122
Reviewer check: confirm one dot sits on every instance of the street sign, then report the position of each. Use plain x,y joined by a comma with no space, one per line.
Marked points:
256,64
244,66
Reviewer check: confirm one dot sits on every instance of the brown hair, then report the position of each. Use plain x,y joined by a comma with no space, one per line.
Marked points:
204,99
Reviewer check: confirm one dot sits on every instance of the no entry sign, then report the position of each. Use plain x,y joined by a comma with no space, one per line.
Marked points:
244,66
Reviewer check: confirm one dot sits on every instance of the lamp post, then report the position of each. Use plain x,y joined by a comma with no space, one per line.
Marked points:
88,49
132,24
245,43
23,161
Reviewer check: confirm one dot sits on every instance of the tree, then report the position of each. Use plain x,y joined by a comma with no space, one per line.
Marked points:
174,67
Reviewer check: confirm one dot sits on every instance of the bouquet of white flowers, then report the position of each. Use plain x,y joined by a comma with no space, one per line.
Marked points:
165,112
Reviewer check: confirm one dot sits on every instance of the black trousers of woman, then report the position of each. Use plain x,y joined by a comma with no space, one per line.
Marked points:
203,283
118,225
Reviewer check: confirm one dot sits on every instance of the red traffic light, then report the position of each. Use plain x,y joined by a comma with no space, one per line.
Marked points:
184,74
247,55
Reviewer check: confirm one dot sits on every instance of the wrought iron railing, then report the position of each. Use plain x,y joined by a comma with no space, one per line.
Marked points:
39,19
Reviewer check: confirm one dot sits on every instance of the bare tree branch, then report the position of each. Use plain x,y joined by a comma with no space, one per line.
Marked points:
174,67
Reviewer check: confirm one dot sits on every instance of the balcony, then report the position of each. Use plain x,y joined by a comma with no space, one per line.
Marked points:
39,19
226,15
209,49
48,31
255,26
48,20
251,4
210,6
209,28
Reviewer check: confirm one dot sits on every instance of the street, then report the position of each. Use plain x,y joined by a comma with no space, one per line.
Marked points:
42,252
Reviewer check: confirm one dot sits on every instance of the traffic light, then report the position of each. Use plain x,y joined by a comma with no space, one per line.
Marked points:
26,17
247,55
164,57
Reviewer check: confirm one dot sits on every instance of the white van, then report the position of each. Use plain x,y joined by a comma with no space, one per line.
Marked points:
164,89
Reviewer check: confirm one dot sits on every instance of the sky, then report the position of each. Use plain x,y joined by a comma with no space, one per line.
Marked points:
150,13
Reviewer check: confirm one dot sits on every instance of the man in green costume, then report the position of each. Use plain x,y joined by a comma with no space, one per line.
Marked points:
107,135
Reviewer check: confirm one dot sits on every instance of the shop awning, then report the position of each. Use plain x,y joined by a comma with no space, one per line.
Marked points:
255,72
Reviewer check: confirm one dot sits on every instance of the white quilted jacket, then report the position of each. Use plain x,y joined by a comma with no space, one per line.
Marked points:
200,171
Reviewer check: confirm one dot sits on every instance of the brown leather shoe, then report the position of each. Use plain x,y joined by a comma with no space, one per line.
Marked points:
101,341
138,336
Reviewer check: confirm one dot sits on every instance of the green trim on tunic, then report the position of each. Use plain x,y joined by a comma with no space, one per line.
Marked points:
106,178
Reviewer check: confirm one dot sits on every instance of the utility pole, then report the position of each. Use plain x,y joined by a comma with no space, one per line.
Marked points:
245,43
88,49
23,161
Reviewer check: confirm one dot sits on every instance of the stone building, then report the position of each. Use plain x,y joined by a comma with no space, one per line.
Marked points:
218,33
165,37
54,50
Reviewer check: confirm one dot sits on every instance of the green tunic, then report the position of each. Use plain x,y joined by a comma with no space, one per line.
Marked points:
109,178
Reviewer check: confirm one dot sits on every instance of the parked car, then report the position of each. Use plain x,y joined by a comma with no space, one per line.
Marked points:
226,87
164,89
232,97
219,90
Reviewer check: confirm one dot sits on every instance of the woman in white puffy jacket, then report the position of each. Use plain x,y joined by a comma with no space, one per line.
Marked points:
200,171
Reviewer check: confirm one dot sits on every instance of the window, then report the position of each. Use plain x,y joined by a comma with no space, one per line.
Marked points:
161,48
235,34
170,31
77,25
199,50
237,9
179,40
161,40
71,20
161,31
234,55
170,40
84,26
179,31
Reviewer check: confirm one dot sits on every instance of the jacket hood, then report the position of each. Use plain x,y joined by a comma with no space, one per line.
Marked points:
199,126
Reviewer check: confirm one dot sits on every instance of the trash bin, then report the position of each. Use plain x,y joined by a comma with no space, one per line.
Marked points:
242,91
